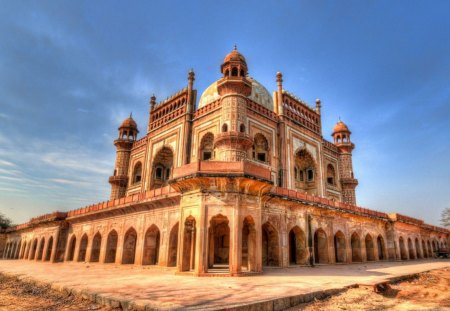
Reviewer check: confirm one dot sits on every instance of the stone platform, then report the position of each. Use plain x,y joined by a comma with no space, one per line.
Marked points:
150,288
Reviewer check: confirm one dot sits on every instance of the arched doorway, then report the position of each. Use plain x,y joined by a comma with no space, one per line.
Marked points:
270,245
33,249
340,250
72,243
111,247
96,245
219,242
189,236
370,250
403,253
151,246
83,248
297,247
417,245
49,249
424,249
173,246
41,249
411,249
320,247
249,244
356,248
129,247
381,249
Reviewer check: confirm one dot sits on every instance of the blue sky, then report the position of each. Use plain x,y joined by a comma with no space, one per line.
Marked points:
71,71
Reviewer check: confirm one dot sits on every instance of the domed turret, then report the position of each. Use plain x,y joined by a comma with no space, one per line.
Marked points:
128,129
234,65
341,133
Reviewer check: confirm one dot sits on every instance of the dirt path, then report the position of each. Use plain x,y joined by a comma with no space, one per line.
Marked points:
430,291
20,295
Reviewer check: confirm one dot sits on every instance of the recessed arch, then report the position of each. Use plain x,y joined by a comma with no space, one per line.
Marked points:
381,248
270,246
340,247
356,247
41,249
96,246
162,167
189,237
261,148
111,247
370,248
173,246
411,249
219,241
83,248
248,244
34,249
137,173
129,246
305,164
298,253
403,253
207,147
48,253
151,246
331,175
71,249
320,247
417,245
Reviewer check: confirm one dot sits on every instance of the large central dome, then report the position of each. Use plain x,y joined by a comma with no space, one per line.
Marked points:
259,95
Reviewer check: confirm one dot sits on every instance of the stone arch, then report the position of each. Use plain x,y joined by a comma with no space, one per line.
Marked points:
129,246
151,246
320,247
331,175
23,251
424,249
96,246
111,246
370,248
417,245
71,249
189,237
83,248
260,148
270,245
137,173
173,246
403,253
40,253
381,248
206,151
340,250
411,249
298,253
48,253
219,241
249,244
356,247
34,249
306,178
429,249
163,162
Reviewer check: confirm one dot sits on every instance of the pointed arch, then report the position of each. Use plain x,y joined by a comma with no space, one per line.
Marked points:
41,249
411,249
83,248
298,253
340,247
320,247
370,248
403,253
48,253
206,151
162,165
270,245
71,250
331,175
173,246
417,245
129,246
34,249
261,148
356,247
111,247
248,261
96,246
151,246
219,241
381,248
137,173
306,168
424,249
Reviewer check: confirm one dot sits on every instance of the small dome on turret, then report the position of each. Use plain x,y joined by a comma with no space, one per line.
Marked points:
340,127
129,123
234,55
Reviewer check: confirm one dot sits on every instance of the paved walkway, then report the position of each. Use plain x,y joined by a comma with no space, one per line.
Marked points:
163,289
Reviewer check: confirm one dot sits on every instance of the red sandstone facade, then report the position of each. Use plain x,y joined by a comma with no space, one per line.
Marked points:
244,181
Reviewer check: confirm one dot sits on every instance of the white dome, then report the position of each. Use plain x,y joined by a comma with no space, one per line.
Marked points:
259,95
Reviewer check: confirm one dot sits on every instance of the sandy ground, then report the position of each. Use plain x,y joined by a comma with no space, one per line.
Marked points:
430,291
19,295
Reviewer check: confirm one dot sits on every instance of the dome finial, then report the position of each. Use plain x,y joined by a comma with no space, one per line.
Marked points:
235,47
131,115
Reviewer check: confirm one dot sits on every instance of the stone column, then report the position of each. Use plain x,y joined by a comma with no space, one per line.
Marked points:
236,238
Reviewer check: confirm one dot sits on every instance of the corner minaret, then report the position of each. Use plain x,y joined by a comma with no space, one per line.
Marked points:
127,136
341,136
233,141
